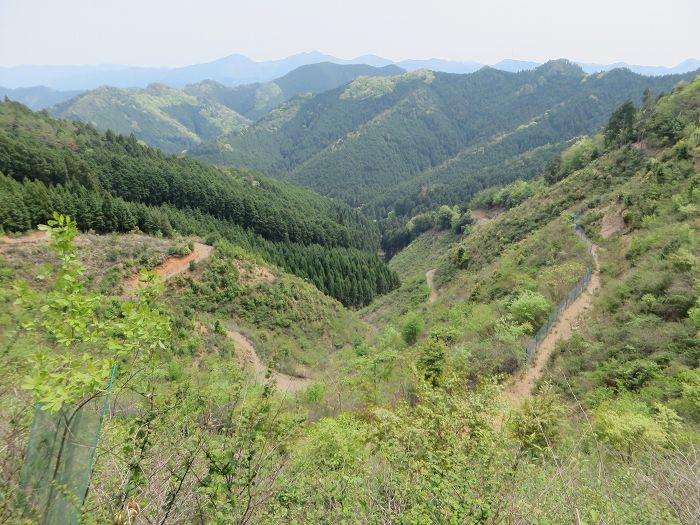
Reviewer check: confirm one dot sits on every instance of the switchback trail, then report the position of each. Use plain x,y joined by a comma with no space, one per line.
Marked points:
521,386
248,355
177,265
429,277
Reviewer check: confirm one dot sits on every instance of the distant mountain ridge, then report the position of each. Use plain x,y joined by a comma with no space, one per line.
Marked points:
686,66
175,119
236,69
408,143
255,100
38,97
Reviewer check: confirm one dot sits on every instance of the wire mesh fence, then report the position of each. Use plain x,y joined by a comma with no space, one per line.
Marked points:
58,462
571,296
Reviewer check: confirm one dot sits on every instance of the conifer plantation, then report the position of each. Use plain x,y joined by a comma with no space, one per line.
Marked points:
355,291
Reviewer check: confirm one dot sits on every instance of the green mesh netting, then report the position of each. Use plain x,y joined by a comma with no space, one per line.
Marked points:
58,462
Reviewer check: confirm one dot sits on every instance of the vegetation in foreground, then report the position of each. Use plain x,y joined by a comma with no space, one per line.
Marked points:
610,436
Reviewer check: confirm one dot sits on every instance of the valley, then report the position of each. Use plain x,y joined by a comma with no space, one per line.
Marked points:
311,299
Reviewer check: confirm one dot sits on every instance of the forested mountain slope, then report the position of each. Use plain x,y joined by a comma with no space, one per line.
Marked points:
175,119
635,187
109,182
164,117
256,100
410,142
408,425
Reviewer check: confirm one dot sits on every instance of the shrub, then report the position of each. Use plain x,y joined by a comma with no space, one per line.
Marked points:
315,393
628,425
432,360
648,301
537,423
445,334
219,328
461,222
175,372
444,217
675,304
529,307
411,328
635,374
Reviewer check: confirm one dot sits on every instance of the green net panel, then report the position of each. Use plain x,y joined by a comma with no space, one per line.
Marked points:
58,462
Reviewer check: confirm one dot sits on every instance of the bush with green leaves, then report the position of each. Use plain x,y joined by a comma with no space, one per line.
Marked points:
630,425
529,307
537,423
411,328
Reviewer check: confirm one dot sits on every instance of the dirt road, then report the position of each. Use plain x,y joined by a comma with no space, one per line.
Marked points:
429,277
30,238
173,266
249,357
521,386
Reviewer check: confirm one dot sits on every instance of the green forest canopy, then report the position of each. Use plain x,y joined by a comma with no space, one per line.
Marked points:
110,182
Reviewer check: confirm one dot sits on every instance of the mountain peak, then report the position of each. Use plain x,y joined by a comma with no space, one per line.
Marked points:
158,88
560,66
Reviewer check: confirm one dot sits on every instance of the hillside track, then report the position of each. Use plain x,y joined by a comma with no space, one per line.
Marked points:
31,238
430,278
521,386
249,357
173,265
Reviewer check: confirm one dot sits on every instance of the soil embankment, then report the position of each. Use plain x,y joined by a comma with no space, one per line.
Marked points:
173,265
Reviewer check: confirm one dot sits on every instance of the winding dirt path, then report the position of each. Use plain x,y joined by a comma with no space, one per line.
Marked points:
520,387
30,238
173,265
249,357
430,277
177,265
33,238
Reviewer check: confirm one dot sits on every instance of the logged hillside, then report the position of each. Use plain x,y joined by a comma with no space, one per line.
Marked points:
109,182
294,327
412,142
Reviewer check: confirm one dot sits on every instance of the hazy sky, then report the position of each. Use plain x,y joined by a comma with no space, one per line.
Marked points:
180,32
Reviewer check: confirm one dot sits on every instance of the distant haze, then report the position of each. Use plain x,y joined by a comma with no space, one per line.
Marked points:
180,32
